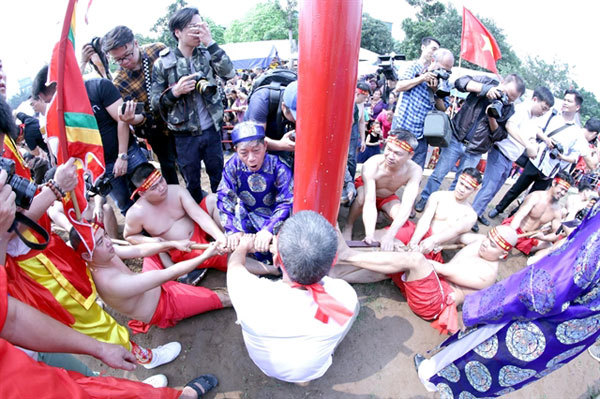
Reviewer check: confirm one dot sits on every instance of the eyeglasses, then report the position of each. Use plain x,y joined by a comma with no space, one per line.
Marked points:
126,56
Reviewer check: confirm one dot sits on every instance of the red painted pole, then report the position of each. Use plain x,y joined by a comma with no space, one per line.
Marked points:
329,42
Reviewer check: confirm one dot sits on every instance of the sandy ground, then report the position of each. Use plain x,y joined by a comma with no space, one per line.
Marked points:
373,361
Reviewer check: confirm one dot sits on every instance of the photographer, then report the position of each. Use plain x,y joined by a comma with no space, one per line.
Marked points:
562,144
419,93
122,154
134,81
479,123
184,90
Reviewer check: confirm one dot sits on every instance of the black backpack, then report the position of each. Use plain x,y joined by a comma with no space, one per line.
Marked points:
275,80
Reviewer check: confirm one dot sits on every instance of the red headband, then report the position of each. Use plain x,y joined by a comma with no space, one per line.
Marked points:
400,143
327,306
146,184
96,225
469,180
562,182
498,239
361,91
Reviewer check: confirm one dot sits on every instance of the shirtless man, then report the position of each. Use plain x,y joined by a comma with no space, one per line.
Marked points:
447,216
539,208
150,298
382,175
168,212
578,205
433,289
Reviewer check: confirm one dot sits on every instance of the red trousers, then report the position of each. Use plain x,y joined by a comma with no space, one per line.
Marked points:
177,302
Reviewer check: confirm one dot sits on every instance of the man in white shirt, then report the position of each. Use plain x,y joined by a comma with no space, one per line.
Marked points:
522,128
292,326
562,144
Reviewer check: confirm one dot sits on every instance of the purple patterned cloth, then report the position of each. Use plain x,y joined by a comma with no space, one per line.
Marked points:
530,324
251,201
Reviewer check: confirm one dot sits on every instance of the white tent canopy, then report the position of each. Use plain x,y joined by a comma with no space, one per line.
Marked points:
247,55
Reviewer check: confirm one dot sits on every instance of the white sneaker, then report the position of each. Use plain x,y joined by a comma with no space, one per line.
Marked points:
164,354
594,352
157,381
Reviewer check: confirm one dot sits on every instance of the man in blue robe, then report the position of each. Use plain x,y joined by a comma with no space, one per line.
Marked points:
256,192
526,326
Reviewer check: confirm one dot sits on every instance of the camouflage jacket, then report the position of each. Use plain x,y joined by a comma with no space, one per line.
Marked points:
181,113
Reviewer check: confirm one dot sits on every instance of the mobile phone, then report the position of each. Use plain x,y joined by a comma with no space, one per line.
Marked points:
139,108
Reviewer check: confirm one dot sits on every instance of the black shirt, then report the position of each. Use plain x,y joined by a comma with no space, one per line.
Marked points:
103,93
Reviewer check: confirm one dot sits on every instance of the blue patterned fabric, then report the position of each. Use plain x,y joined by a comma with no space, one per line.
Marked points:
251,201
551,312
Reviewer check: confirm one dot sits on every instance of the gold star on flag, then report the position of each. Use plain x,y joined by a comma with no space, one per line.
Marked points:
487,46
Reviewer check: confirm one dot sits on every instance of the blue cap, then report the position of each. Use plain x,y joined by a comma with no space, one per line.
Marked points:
290,96
247,131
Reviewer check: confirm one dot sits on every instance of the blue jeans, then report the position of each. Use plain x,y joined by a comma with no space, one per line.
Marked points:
191,151
497,170
421,152
448,157
352,149
121,190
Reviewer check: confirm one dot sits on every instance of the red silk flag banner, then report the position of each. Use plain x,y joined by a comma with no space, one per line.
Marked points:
71,121
477,44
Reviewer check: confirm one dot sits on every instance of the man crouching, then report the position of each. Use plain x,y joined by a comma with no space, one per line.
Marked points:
309,313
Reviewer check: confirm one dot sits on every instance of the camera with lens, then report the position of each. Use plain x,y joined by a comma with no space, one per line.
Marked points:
557,150
443,87
204,86
23,188
495,108
102,188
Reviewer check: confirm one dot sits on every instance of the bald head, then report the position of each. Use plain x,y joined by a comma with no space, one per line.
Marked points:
508,233
444,57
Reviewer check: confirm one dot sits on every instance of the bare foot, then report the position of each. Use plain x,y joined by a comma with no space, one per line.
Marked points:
223,296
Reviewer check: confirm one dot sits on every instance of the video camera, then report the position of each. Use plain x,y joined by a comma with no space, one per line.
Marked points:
385,66
495,108
23,188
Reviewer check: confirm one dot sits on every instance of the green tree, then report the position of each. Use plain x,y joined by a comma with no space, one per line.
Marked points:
555,76
445,24
376,35
267,21
161,26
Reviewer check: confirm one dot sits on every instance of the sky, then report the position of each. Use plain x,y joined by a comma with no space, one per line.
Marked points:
553,30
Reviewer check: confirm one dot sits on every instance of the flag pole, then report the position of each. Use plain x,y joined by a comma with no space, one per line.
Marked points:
454,100
60,108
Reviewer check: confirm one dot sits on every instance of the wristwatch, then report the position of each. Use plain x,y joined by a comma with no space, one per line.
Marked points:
123,156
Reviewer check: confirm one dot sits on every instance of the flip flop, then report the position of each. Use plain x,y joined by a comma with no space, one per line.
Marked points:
193,278
203,384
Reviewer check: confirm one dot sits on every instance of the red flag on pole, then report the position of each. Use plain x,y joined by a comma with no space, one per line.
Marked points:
71,121
477,43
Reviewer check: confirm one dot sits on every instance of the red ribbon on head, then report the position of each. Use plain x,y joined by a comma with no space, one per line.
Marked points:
498,239
562,182
469,180
146,184
96,225
361,91
327,306
400,143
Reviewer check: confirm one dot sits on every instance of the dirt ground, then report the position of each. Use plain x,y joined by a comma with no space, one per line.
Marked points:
373,361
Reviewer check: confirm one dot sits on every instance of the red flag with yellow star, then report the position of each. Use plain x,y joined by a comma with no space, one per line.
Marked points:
477,44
